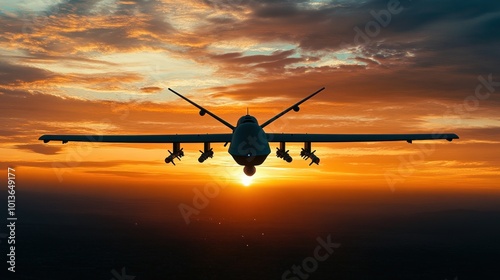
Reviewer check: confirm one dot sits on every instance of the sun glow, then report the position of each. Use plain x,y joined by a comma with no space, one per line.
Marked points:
246,180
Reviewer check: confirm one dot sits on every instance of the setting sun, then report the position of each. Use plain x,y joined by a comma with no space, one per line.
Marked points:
246,180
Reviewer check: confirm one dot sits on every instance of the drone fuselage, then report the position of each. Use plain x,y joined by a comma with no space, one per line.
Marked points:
249,145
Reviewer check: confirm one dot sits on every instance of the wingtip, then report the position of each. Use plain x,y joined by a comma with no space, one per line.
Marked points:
44,139
452,136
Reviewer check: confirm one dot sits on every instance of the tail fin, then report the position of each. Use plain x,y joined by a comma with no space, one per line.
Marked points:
295,107
203,110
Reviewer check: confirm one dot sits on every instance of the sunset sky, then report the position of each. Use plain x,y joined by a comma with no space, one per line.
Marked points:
103,67
427,210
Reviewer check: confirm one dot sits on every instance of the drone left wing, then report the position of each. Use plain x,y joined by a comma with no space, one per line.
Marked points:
183,138
176,152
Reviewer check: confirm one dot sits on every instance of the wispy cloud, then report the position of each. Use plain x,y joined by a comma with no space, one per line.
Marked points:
40,148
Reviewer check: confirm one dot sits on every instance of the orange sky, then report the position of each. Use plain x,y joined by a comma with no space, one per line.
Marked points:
99,67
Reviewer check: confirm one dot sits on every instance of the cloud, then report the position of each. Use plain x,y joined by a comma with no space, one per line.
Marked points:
75,27
18,75
40,148
151,89
413,37
356,84
71,164
37,113
11,74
